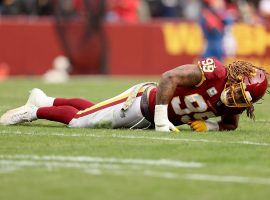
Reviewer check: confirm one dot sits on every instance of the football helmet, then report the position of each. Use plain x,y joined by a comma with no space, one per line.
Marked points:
246,92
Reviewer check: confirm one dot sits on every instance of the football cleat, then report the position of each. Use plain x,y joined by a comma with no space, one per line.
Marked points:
39,99
26,113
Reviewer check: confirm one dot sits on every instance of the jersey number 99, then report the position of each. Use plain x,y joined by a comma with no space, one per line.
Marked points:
193,103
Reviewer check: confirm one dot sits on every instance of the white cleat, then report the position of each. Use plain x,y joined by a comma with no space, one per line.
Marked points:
26,113
39,99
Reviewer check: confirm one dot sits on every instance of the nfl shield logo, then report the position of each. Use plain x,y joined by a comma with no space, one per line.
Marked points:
212,91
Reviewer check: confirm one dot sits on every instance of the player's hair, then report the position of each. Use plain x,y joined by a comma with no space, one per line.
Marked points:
236,72
240,69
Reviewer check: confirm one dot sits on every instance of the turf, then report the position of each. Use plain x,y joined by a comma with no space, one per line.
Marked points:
46,160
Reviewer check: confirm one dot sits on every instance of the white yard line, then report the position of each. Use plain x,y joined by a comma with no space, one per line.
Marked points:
263,120
210,178
103,166
89,159
4,169
228,179
193,140
5,163
244,142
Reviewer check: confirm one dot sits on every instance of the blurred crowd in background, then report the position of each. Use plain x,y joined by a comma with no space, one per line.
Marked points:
214,16
252,11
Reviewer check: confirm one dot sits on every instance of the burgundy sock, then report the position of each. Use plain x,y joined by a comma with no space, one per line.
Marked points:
78,103
63,114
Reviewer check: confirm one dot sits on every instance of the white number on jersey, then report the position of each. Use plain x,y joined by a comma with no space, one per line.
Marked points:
208,65
194,104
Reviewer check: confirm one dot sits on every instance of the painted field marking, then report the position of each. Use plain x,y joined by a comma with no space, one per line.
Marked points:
7,165
261,120
243,142
229,179
99,166
210,178
89,159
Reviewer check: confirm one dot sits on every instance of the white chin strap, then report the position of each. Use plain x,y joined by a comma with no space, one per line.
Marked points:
248,95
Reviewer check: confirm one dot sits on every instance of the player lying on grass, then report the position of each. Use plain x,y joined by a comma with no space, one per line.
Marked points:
188,94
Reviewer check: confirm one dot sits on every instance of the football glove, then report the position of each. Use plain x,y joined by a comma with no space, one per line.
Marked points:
162,122
203,126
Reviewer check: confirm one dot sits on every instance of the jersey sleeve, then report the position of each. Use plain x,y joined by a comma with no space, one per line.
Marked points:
211,69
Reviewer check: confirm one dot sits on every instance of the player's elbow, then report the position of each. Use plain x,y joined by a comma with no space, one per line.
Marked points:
233,127
228,127
169,76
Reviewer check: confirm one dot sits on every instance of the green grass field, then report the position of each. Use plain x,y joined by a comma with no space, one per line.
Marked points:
46,160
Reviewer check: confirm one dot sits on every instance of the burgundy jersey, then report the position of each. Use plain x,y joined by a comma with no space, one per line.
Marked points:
201,101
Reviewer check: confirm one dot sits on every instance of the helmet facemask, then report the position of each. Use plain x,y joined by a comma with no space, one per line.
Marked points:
235,95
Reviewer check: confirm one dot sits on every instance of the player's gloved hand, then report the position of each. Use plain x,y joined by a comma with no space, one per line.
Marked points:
203,126
198,126
162,122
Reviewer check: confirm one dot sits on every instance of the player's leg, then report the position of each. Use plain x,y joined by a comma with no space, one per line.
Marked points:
110,113
78,103
62,114
105,114
38,98
28,113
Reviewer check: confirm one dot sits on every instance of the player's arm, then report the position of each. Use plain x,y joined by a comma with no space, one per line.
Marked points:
183,76
227,123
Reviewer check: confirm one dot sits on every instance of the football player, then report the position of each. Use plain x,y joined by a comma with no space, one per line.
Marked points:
188,94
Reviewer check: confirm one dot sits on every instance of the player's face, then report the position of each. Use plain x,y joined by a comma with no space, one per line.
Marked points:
234,95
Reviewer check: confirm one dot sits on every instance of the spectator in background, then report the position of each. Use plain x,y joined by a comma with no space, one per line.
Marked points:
123,10
264,9
249,11
26,7
14,7
78,6
166,8
213,19
1,5
155,7
43,7
192,9
144,11
172,8
73,7
232,9
68,8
